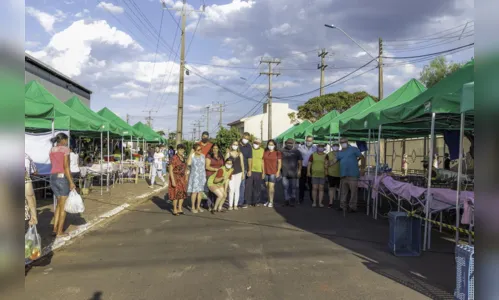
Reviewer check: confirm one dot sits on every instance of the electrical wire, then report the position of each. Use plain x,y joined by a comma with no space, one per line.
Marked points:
155,57
431,35
429,54
327,85
192,38
433,45
424,59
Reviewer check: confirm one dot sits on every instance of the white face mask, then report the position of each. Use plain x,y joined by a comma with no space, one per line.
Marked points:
336,148
256,146
271,147
234,147
309,144
245,141
344,145
228,166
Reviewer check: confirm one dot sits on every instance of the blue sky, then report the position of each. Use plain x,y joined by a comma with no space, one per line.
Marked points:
110,47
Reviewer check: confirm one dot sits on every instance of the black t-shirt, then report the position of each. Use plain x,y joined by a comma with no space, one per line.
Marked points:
247,152
290,158
447,164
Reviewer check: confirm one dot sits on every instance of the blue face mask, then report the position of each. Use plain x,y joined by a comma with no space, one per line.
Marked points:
320,149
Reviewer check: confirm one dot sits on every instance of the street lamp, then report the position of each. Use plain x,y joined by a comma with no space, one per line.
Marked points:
336,27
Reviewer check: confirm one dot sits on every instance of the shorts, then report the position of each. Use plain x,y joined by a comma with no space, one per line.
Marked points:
334,182
270,178
59,185
318,180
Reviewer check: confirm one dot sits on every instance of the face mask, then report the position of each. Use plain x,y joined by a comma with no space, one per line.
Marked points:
309,144
336,148
271,147
344,145
228,166
256,146
204,140
289,146
245,141
320,149
234,147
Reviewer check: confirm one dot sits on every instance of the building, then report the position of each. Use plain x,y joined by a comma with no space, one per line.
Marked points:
58,84
258,124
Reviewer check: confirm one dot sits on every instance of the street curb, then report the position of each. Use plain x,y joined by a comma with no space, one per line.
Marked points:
58,243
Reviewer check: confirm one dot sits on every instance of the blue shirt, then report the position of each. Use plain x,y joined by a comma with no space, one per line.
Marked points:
247,152
349,164
306,153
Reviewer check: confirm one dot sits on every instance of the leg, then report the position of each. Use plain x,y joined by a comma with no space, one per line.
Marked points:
271,188
242,190
294,190
237,185
175,205
315,188
160,176
198,203
153,176
194,197
56,215
232,195
61,202
248,194
303,181
285,185
321,194
180,206
220,199
343,192
353,186
257,187
332,192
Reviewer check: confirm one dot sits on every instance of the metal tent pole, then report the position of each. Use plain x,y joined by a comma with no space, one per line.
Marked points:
378,157
428,190
107,165
367,163
459,171
101,158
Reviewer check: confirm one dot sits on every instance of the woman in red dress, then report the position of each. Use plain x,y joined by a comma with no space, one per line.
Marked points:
178,174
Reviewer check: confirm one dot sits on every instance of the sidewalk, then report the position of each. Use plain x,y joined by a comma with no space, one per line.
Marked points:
97,209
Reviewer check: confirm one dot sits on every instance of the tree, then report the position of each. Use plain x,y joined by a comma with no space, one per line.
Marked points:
161,132
317,107
438,69
226,137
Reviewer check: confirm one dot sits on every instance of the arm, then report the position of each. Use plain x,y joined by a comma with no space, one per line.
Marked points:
242,163
208,166
30,198
299,168
326,164
309,166
67,172
263,169
189,159
170,173
250,166
219,177
279,166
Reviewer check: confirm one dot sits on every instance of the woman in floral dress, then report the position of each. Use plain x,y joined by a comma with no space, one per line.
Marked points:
178,174
197,177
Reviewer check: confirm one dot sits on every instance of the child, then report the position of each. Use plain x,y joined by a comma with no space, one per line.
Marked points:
317,171
218,183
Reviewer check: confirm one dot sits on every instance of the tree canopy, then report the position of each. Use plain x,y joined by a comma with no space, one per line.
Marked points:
315,108
226,137
436,70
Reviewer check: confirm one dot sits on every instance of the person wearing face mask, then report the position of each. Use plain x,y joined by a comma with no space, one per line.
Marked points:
348,158
306,150
317,172
291,171
205,143
157,167
247,153
235,182
272,160
255,174
333,173
218,184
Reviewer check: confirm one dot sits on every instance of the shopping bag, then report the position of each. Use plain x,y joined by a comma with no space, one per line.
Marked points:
32,244
74,203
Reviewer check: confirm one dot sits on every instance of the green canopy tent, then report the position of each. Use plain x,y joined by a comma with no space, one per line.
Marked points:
330,128
35,91
34,109
361,122
303,133
150,135
291,131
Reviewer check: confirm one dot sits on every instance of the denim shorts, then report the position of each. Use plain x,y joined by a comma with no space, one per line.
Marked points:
270,178
60,186
318,180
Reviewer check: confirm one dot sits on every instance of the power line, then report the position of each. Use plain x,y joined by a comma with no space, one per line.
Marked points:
430,35
418,60
192,38
327,85
432,45
429,54
155,56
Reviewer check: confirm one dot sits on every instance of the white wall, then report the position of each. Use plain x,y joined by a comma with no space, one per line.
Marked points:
280,121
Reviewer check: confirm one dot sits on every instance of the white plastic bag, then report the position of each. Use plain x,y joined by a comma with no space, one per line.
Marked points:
32,244
74,203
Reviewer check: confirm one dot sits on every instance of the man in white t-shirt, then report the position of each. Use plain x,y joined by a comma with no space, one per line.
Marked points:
74,163
157,167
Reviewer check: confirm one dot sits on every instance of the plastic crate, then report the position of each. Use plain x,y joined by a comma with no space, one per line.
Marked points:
405,234
465,273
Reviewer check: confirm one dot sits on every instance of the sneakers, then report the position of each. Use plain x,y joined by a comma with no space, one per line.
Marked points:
231,208
245,206
321,205
270,205
236,208
200,210
151,187
266,204
314,205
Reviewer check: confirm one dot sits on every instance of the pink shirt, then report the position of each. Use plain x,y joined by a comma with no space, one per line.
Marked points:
57,155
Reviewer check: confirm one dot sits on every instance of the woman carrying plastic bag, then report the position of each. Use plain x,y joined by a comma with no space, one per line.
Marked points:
74,204
32,244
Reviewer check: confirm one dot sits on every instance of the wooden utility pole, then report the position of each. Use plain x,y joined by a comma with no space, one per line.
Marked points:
270,63
322,67
380,70
128,118
180,105
208,118
220,110
149,118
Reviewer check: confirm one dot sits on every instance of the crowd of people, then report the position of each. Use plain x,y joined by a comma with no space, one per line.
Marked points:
236,177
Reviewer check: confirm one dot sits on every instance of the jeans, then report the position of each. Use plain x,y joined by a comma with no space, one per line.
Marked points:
290,186
254,188
348,184
305,180
242,189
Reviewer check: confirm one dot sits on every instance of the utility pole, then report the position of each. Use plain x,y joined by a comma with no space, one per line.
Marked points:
220,110
322,67
380,70
180,105
270,63
149,118
208,118
127,118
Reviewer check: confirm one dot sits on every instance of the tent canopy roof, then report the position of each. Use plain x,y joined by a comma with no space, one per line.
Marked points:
128,130
149,134
468,97
303,132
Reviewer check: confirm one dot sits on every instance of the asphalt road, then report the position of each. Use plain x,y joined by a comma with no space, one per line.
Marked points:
256,253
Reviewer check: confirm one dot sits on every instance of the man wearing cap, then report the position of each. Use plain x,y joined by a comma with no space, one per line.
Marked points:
349,171
306,151
255,174
205,143
291,171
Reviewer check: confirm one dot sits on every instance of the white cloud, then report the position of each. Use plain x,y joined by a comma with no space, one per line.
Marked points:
115,9
46,20
283,30
85,12
128,95
31,44
215,60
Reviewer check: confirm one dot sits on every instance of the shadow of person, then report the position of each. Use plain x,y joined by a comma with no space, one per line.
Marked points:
97,296
162,203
